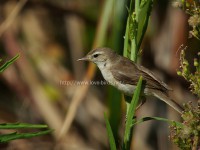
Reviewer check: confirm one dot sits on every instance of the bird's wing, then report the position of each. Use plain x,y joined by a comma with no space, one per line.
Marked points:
151,74
131,72
127,74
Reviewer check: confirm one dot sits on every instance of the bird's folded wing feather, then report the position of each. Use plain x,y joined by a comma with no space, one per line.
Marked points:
131,72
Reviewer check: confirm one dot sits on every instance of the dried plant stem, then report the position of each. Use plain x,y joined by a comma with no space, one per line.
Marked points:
5,25
75,31
81,91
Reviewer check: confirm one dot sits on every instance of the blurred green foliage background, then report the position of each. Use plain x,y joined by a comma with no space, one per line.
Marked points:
43,86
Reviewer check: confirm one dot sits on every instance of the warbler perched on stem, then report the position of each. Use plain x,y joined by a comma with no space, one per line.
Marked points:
124,74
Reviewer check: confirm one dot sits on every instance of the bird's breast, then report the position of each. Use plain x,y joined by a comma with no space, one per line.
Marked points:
125,88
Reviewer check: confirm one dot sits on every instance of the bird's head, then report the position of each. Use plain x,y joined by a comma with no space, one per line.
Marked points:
100,56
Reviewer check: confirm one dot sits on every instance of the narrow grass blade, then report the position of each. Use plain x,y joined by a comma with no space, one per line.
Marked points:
143,18
13,136
8,63
21,126
110,134
125,51
130,116
178,124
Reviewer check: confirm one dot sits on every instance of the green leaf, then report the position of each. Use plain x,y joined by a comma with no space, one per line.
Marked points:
15,135
110,134
143,18
125,51
8,63
130,115
21,126
178,124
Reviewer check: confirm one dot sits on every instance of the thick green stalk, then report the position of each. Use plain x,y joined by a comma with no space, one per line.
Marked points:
130,116
135,29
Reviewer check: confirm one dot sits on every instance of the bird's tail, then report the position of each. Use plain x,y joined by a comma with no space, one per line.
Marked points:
169,101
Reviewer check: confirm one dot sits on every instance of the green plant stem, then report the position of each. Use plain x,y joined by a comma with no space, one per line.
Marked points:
134,50
135,29
125,51
131,116
137,7
110,134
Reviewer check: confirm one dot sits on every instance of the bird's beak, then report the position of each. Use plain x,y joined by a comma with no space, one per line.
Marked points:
86,58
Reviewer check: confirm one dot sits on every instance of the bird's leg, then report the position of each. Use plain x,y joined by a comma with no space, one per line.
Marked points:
143,100
126,118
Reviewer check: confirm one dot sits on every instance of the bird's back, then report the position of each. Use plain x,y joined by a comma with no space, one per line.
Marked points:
130,72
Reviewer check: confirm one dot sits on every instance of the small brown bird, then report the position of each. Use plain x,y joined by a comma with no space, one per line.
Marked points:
124,74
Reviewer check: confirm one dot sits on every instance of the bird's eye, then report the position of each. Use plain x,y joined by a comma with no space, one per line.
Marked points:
95,55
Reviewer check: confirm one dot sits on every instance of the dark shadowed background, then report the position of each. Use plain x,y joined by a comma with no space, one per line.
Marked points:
41,87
